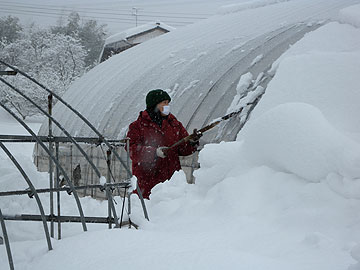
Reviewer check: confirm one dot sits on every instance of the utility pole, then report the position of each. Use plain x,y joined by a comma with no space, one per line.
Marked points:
135,13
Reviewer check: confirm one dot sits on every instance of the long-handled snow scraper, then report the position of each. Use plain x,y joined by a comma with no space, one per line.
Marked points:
250,100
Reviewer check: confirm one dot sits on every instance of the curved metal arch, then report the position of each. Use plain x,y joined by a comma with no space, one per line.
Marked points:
72,140
33,190
101,137
54,160
56,123
7,243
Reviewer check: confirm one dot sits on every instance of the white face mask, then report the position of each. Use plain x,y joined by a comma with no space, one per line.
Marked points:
166,110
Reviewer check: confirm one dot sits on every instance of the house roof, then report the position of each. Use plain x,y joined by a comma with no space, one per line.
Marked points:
125,35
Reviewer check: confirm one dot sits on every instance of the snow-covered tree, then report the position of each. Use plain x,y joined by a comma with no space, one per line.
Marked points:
10,29
56,60
89,32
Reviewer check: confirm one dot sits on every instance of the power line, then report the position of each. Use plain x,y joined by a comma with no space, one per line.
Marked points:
96,12
20,4
56,17
107,20
129,7
14,11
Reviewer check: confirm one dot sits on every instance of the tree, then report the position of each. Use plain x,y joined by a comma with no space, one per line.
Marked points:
10,29
92,36
54,59
90,33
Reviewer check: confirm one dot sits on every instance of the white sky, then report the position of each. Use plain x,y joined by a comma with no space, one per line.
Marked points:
117,14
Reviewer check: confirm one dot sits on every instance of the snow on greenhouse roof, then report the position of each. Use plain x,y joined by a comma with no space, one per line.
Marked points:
199,65
136,31
247,5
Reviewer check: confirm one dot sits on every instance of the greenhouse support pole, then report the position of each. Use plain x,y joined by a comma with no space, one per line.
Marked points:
33,191
51,169
6,239
73,191
57,186
108,162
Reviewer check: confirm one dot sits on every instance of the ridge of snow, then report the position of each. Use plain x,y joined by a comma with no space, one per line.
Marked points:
297,138
350,15
232,8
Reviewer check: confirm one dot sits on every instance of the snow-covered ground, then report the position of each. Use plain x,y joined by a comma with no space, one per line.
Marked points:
285,195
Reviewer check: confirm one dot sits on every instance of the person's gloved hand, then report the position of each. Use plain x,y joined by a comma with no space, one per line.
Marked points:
196,135
162,151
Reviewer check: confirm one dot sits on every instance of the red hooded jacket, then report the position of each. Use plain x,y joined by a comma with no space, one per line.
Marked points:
145,137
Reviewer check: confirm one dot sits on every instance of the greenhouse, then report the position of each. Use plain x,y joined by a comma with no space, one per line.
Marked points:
207,68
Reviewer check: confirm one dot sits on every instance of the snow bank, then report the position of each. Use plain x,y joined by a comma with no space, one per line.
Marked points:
330,38
305,123
247,5
355,253
296,138
350,15
321,70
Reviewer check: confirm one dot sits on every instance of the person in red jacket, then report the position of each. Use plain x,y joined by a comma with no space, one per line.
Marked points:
150,136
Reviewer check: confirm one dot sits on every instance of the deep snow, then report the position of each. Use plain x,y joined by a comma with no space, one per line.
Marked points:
285,195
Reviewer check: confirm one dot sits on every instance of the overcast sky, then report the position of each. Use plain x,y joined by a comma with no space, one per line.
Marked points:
118,15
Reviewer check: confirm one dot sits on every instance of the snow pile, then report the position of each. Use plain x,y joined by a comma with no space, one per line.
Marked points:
355,253
247,5
322,71
305,124
290,185
350,15
241,89
102,180
297,138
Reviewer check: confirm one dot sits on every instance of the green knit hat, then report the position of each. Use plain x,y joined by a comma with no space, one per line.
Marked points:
154,97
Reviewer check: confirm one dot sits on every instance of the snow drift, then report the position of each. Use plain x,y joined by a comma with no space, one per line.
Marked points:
296,138
285,195
350,15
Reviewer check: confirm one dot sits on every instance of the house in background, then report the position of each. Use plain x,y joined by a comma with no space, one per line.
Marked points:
122,41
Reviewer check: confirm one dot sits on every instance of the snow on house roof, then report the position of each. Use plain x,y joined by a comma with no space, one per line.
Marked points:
137,30
199,65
